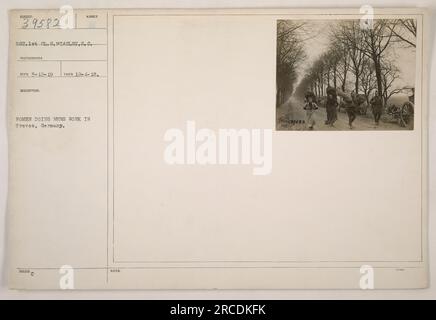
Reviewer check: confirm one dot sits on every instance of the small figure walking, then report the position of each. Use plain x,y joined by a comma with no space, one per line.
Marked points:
377,107
331,104
310,106
349,106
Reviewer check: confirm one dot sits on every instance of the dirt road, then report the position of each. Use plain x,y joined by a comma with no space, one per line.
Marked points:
291,115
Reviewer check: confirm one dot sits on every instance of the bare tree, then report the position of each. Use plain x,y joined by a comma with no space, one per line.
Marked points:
329,69
405,31
390,73
290,53
350,35
343,66
368,81
375,43
362,56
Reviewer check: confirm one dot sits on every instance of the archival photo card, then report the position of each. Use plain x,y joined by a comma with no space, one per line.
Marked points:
152,149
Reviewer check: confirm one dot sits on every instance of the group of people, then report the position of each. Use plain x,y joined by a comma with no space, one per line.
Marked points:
331,105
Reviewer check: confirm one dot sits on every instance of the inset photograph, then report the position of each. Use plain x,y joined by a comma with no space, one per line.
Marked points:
345,74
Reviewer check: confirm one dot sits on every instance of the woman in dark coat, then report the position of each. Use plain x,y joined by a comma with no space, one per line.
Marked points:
349,107
331,104
377,107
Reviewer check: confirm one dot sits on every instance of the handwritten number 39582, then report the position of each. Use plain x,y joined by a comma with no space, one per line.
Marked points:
36,23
